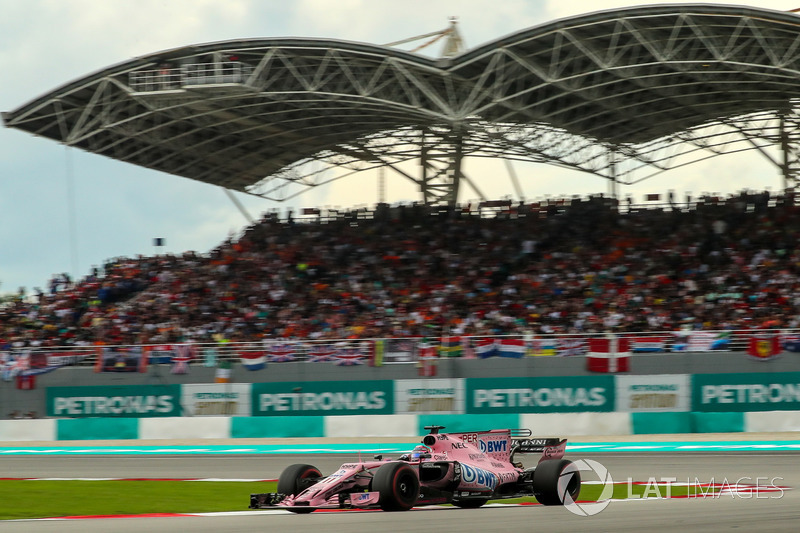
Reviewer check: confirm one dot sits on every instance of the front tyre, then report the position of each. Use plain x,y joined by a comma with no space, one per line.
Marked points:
549,475
398,486
296,478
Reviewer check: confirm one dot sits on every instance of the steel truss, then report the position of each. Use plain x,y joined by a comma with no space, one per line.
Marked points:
657,87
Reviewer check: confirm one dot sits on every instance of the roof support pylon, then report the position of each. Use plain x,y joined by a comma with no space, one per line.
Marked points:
440,159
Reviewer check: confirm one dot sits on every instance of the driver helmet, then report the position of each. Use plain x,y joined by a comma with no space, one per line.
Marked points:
417,452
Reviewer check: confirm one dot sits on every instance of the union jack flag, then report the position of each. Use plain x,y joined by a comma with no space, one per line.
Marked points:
180,361
281,353
321,353
350,356
568,347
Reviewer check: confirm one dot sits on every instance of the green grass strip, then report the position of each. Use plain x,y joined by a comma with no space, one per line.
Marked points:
47,499
44,499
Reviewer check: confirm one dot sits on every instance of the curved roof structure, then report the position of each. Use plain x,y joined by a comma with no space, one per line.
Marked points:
623,94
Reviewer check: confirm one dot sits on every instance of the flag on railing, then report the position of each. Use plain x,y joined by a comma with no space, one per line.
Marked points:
321,353
183,354
223,374
69,358
14,365
485,348
542,347
253,360
567,347
160,355
791,342
377,353
700,341
764,347
648,344
121,359
450,347
427,357
24,366
281,352
399,350
514,348
608,354
347,355
490,347
209,357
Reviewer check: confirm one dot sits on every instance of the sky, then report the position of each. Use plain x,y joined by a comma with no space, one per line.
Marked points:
65,210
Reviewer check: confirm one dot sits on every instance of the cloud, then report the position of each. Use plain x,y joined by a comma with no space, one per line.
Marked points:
556,9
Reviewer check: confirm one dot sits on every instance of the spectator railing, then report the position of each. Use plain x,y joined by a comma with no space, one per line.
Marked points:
301,350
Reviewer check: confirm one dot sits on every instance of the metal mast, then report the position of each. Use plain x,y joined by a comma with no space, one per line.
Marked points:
440,152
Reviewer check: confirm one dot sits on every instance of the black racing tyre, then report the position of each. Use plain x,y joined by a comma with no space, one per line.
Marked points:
398,486
296,478
470,504
546,482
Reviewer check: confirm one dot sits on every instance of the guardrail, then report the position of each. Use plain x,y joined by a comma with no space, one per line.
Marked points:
407,350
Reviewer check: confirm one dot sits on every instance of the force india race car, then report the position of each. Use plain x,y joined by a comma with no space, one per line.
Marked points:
463,469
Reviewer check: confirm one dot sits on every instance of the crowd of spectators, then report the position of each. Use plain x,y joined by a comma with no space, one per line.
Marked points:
567,266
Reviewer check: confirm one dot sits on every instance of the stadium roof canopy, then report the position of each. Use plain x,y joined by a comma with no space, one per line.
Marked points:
624,94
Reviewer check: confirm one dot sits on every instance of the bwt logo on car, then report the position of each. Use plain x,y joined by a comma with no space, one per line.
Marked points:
492,446
471,474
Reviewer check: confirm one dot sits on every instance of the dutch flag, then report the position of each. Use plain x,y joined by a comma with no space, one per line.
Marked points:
253,360
511,348
486,348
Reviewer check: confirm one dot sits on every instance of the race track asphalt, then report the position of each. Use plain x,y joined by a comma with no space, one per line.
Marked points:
765,512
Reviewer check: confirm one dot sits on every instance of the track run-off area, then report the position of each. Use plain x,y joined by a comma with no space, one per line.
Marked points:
755,481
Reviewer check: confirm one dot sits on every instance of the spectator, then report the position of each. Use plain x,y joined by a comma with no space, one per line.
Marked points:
559,266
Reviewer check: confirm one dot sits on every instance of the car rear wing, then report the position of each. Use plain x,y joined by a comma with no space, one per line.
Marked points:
534,445
514,433
550,448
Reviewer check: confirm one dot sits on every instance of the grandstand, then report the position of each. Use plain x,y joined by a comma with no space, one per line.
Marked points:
569,267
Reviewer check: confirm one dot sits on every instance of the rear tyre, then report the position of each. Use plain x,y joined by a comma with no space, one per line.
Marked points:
470,504
398,486
546,479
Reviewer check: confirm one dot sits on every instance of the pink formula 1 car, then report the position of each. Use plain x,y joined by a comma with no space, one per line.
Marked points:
464,469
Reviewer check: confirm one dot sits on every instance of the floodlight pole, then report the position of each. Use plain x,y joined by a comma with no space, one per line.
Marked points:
790,164
382,185
612,168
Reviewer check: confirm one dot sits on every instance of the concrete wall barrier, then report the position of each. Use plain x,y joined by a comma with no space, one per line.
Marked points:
462,423
97,428
401,426
371,426
209,427
577,424
272,427
761,422
28,430
692,422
